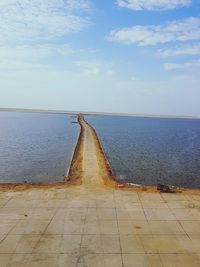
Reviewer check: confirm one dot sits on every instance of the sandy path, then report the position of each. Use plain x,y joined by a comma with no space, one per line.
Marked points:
92,173
90,166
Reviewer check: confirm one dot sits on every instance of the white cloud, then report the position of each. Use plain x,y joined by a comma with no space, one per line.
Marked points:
153,4
180,30
24,57
96,67
189,49
174,66
32,20
78,5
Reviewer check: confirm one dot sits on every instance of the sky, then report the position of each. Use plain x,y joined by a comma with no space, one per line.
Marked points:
126,56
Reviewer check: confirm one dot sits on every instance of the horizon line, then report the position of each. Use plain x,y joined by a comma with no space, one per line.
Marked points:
122,114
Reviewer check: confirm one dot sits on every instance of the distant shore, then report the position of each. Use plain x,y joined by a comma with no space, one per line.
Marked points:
164,116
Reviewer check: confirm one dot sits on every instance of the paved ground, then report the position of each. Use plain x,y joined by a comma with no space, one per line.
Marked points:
91,225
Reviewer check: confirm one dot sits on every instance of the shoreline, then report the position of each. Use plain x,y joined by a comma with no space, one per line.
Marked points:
139,115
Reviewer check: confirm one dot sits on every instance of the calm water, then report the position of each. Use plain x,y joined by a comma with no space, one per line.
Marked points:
35,147
151,150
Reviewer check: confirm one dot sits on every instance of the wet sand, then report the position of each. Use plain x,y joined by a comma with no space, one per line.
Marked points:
92,220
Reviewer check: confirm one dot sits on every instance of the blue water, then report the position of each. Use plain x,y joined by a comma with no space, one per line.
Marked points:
151,150
35,147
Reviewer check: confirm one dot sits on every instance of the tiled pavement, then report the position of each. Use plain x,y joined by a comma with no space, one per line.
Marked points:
82,227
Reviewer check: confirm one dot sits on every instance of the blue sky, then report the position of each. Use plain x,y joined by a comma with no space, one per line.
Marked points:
130,56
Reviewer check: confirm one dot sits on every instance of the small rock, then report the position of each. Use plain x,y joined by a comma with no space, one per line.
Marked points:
165,189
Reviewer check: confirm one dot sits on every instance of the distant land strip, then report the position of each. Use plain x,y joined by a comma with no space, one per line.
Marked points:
167,116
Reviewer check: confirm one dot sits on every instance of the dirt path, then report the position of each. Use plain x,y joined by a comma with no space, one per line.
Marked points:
92,173
90,166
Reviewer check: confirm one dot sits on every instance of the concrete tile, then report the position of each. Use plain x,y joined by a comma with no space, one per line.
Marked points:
2,236
111,243
126,227
55,228
154,260
54,203
13,213
92,203
108,227
180,260
61,194
70,244
19,260
7,225
173,197
188,214
91,260
133,227
33,227
135,260
131,244
27,243
149,196
73,227
137,214
112,260
129,206
73,214
48,244
194,196
143,260
4,259
177,204
159,214
165,227
92,227
91,214
80,202
42,260
41,213
63,216
105,203
123,214
152,204
149,244
165,243
194,247
67,260
21,203
4,201
106,213
9,244
191,227
91,244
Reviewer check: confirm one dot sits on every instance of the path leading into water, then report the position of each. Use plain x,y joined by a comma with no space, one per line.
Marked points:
92,173
93,224
90,166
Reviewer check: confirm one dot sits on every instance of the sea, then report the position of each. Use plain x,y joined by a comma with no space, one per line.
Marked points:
151,151
36,148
